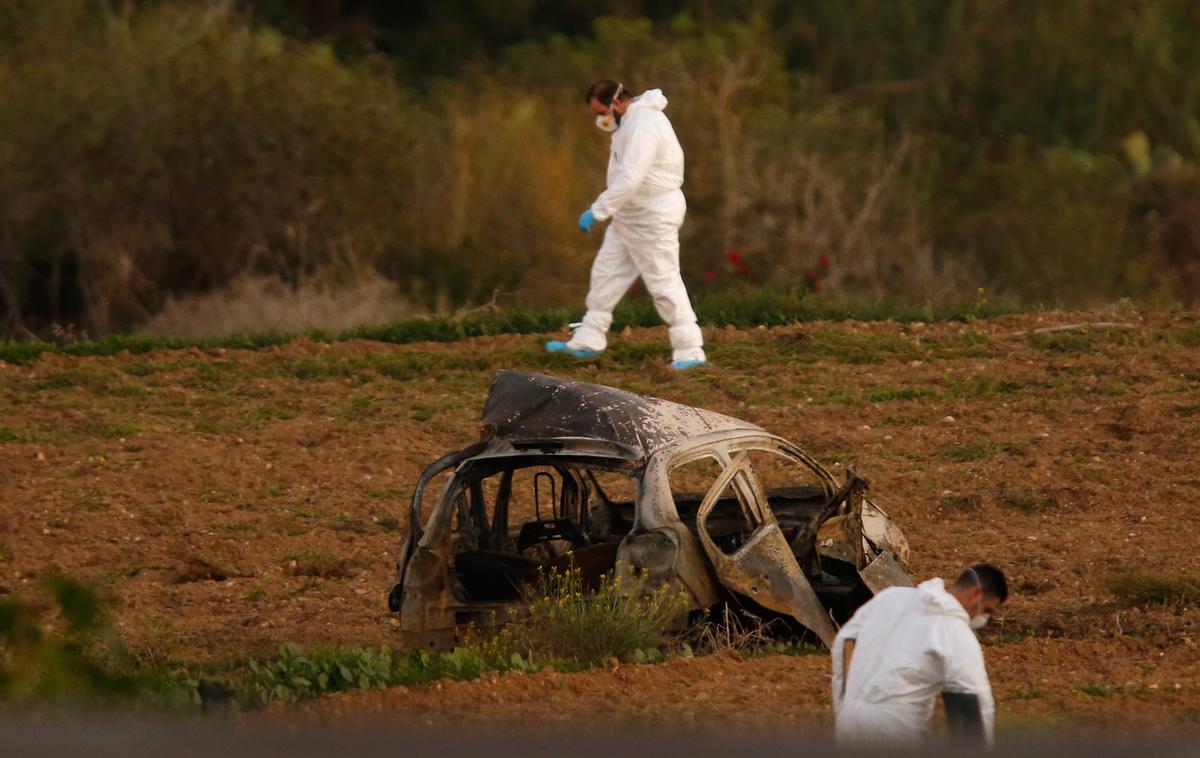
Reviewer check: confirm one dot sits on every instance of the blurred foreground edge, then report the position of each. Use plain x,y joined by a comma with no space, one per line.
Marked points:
119,735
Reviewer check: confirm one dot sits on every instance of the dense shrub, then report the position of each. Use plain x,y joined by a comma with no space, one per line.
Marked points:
912,150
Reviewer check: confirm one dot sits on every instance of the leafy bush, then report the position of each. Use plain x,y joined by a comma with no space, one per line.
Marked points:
83,661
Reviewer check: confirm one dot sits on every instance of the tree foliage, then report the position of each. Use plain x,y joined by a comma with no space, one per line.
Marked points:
914,149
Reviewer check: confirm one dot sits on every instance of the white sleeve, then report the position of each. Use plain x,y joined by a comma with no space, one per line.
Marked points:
847,632
965,672
640,152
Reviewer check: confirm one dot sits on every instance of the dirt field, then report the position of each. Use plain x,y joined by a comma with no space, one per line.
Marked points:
231,501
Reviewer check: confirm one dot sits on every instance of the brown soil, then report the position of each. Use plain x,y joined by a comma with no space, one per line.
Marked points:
1038,684
229,501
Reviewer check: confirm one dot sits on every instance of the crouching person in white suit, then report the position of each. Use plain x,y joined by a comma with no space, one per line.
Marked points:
904,648
646,205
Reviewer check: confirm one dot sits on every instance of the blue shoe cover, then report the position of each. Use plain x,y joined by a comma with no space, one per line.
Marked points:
684,365
557,346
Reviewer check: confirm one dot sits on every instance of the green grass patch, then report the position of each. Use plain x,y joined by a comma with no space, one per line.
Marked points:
264,414
13,434
115,429
1064,342
740,309
980,387
977,451
1094,690
319,564
1143,587
298,675
857,349
885,393
842,396
361,408
344,522
968,502
1187,337
1028,501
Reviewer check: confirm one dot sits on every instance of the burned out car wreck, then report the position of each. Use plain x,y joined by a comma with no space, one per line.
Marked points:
569,473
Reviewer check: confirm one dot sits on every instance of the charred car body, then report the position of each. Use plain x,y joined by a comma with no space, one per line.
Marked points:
567,471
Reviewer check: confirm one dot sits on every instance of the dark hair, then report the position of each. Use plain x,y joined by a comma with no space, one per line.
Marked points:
604,91
988,578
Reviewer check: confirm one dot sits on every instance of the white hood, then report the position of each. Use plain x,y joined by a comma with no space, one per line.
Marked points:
935,599
651,98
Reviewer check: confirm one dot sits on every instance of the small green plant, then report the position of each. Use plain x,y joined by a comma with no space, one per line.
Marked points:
1095,690
388,523
1026,694
1137,587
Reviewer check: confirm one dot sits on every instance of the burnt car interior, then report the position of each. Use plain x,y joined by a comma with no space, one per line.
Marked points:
512,522
518,516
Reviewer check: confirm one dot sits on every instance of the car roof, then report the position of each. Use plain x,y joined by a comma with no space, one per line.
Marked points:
532,408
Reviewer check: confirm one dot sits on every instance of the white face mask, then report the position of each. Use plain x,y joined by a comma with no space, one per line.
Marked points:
608,122
980,621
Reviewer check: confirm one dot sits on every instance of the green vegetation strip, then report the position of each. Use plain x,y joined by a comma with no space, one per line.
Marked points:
565,627
742,310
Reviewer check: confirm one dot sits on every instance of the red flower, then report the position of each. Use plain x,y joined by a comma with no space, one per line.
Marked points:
710,276
823,261
735,257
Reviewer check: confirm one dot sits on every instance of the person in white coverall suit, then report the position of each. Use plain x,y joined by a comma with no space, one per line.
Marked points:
904,648
646,205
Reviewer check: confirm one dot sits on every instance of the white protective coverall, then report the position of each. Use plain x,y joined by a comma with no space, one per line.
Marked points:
911,644
646,205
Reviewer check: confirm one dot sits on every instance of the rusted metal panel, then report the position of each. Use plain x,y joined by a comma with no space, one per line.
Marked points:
883,571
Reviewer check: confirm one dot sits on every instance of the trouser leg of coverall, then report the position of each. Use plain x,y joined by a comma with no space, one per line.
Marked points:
655,251
613,272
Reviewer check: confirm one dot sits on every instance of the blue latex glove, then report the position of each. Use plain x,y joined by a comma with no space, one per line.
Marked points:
586,221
